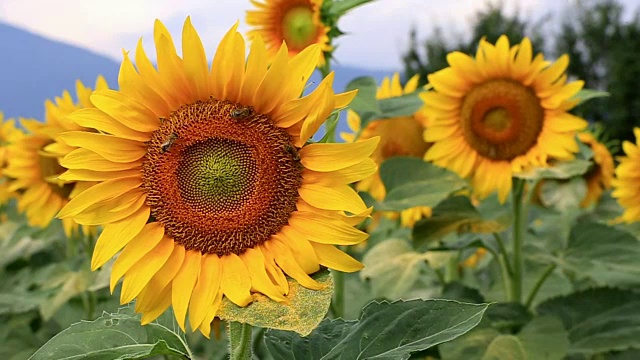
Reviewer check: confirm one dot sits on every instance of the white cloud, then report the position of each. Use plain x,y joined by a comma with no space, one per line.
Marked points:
377,32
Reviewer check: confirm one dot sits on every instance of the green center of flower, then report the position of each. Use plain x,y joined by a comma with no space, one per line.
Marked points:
501,119
298,27
219,171
220,177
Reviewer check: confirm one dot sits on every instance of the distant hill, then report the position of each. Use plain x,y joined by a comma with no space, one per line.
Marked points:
34,68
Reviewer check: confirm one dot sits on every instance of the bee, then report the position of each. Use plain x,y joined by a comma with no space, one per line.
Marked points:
293,152
241,113
169,142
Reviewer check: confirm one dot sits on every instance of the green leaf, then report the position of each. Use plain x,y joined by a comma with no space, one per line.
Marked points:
341,7
301,313
397,106
113,336
459,215
412,182
505,347
330,125
73,283
563,195
508,315
384,331
585,95
11,303
559,170
470,346
393,267
598,320
607,255
545,338
365,103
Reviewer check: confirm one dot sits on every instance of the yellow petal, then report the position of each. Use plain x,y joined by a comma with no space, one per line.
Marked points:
83,159
140,273
99,192
161,280
96,119
184,283
332,157
236,282
325,229
206,289
256,69
127,111
110,147
348,175
260,282
331,257
284,259
195,61
116,235
300,247
337,197
205,327
159,306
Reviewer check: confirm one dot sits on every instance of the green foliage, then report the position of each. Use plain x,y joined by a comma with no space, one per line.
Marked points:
301,313
370,109
114,336
375,335
598,320
411,182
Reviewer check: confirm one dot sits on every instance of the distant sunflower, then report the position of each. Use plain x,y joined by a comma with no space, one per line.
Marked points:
500,113
296,22
627,181
8,134
600,176
34,166
401,136
208,184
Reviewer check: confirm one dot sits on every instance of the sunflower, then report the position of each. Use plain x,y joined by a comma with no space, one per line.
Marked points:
401,136
500,113
34,166
296,22
600,176
626,183
206,181
8,134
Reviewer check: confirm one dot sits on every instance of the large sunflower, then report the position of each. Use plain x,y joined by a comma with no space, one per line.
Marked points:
296,22
8,134
499,113
601,174
401,136
627,181
33,164
206,180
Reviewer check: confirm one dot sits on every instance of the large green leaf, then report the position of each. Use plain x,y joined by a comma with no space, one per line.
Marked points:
598,320
413,182
113,337
384,331
544,338
588,94
505,347
393,267
365,103
301,313
607,255
559,170
459,215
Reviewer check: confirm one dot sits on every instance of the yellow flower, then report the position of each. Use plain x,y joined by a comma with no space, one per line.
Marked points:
34,166
8,134
500,113
401,136
206,181
473,260
296,22
601,174
627,181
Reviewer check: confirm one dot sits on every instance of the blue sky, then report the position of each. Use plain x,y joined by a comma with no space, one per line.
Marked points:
378,32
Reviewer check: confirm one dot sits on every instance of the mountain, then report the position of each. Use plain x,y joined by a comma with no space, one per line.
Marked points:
34,68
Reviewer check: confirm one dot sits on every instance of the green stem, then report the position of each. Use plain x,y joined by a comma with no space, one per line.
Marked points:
547,272
338,294
503,251
239,341
451,271
504,271
518,238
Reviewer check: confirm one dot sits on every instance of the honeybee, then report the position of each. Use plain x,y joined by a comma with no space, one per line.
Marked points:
169,142
241,113
293,151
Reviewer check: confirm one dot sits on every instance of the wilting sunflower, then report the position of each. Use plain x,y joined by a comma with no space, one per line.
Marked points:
34,166
296,22
601,174
8,134
401,136
500,113
627,181
206,179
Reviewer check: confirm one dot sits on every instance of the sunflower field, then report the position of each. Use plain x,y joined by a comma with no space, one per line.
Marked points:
207,206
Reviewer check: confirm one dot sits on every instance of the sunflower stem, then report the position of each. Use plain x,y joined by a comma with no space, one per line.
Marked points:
519,220
532,296
239,335
338,294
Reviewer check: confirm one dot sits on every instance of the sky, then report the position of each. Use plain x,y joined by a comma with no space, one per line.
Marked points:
377,32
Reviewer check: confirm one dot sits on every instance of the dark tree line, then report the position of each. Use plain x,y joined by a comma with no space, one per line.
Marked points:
604,51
